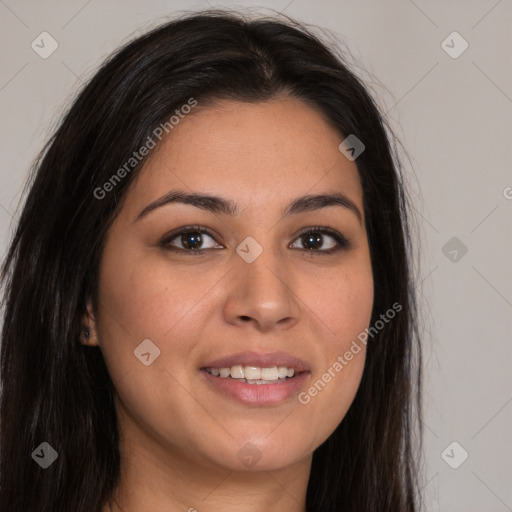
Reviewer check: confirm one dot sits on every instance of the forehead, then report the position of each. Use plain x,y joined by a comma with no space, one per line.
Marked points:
251,152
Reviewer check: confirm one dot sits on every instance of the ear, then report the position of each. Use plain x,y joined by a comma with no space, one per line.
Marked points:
89,325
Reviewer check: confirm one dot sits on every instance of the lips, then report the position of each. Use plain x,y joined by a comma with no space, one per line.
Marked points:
262,360
250,393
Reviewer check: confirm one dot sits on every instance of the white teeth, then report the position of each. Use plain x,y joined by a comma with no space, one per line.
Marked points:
282,372
225,372
237,372
254,374
269,373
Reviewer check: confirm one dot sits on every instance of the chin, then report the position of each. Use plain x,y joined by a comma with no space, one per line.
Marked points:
265,454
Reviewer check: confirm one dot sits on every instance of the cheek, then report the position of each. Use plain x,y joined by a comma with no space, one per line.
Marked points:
147,298
341,301
144,300
343,310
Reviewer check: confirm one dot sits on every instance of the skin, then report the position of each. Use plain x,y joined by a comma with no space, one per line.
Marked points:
179,435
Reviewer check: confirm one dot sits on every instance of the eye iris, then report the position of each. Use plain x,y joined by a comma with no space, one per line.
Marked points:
191,240
312,238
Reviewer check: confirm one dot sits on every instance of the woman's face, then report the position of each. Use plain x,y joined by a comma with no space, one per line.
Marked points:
260,295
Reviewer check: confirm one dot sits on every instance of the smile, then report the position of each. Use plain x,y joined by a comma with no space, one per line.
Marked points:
253,374
256,378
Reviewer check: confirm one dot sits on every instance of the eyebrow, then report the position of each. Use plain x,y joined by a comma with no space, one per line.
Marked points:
217,204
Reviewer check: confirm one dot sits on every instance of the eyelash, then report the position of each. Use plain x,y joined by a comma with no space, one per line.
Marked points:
343,243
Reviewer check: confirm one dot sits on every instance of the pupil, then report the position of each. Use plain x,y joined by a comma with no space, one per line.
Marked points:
195,239
314,239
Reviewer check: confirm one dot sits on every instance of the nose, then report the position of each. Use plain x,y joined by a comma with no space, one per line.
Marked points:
261,294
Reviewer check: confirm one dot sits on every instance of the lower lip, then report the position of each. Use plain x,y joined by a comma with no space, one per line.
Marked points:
258,394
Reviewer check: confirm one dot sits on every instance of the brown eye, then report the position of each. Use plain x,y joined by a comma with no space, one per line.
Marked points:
313,240
189,240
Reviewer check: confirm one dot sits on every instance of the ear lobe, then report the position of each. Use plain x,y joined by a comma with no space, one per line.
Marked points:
88,335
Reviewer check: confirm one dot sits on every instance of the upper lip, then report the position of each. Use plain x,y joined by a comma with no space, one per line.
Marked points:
259,359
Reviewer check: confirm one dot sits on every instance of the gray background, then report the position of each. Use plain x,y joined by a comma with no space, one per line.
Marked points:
454,117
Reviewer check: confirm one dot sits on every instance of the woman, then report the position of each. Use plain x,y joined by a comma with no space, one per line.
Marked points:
208,298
